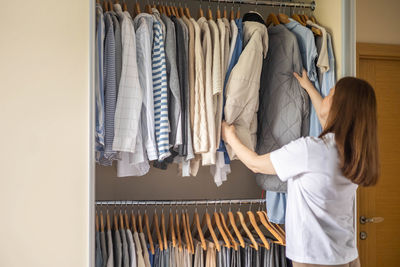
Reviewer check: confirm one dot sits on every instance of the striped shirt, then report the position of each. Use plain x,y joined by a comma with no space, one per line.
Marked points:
110,89
160,92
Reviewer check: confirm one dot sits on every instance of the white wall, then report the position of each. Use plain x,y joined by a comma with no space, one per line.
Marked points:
44,117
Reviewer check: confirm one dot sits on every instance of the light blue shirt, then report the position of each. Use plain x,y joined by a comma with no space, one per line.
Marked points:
309,55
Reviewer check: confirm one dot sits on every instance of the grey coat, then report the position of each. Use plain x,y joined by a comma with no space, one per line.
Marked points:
283,113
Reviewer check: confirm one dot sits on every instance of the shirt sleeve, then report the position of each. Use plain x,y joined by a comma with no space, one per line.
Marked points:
290,160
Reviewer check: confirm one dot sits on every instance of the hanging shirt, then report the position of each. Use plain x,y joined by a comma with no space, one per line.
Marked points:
99,82
136,164
110,90
320,202
143,24
222,167
139,252
242,89
129,103
131,246
174,96
234,33
98,256
212,55
110,250
160,92
329,79
308,51
226,48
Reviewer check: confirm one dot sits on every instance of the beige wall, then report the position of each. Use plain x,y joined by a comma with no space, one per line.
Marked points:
329,15
44,115
378,21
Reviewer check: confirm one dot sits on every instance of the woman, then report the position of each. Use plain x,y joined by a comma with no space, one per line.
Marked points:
323,173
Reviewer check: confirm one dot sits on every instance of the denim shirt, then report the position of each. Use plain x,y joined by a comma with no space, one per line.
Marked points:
309,55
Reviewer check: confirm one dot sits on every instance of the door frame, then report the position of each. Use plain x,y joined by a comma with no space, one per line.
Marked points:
371,51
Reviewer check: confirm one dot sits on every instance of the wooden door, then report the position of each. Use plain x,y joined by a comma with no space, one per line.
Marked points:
379,243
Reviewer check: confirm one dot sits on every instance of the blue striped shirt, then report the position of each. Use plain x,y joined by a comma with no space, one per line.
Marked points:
160,92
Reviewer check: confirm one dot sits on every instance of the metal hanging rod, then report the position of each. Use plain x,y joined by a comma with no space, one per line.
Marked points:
310,5
177,202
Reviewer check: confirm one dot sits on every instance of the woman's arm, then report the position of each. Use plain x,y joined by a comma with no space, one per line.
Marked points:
256,163
316,98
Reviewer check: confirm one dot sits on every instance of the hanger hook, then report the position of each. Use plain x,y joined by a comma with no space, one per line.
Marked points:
230,205
195,207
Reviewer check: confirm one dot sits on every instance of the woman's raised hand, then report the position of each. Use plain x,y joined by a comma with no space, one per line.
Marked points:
303,80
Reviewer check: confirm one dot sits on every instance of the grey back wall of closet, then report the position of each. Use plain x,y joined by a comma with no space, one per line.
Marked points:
163,185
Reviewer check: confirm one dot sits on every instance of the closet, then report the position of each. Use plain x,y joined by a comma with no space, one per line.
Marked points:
151,201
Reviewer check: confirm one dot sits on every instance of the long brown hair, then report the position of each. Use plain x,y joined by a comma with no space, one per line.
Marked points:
352,118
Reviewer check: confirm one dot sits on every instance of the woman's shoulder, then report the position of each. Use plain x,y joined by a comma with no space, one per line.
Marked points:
324,142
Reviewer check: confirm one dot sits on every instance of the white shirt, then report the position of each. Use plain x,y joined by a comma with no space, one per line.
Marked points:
319,214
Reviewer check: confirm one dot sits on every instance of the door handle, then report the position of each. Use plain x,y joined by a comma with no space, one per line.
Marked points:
364,220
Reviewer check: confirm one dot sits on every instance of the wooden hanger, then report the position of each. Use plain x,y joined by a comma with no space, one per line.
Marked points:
253,222
209,13
276,230
160,7
108,221
220,228
124,6
115,221
121,220
196,221
164,233
185,232
232,14
168,10
224,225
312,18
97,1
110,5
283,18
155,225
207,221
178,231
189,231
140,222
268,226
238,12
218,12
133,220
187,12
171,228
201,14
180,9
272,18
97,222
247,231
148,8
298,19
235,229
106,6
225,12
176,11
101,221
126,220
137,8
146,224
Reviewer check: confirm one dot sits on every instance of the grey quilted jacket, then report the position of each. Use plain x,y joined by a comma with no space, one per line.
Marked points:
283,113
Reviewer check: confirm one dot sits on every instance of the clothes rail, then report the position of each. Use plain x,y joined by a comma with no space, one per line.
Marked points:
178,202
310,5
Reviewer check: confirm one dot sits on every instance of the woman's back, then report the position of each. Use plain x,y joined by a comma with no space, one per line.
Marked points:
320,202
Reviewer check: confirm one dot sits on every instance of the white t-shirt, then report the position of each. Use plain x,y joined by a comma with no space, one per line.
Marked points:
319,213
